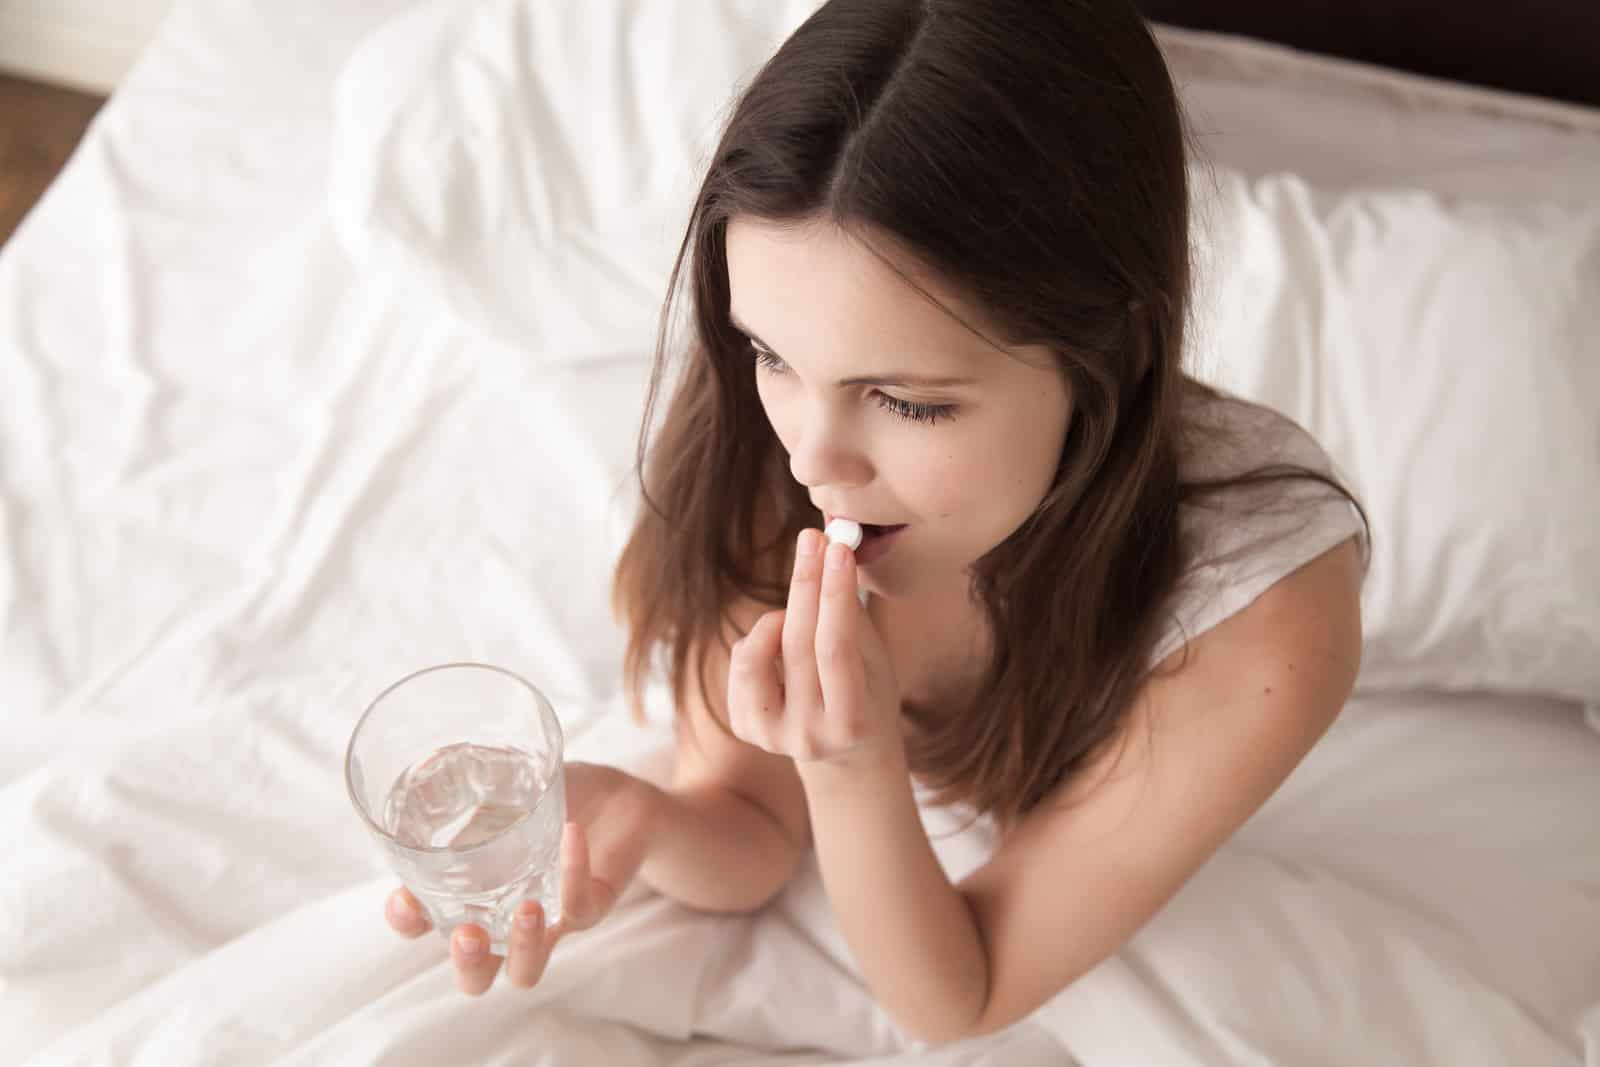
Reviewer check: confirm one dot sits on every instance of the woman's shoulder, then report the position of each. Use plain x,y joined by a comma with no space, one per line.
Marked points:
1226,436
1262,499
1244,467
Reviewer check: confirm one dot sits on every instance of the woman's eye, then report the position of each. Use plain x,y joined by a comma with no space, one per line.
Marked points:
768,359
910,410
915,412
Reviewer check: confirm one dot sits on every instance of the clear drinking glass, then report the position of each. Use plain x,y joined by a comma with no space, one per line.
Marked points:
457,771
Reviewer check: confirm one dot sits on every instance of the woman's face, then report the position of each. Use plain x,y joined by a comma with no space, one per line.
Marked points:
891,410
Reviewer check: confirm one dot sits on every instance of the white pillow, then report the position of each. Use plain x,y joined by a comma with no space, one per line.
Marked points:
532,165
1447,354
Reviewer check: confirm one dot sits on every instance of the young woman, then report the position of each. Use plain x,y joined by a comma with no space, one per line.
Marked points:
939,272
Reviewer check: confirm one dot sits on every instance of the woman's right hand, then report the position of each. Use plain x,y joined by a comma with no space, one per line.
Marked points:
611,815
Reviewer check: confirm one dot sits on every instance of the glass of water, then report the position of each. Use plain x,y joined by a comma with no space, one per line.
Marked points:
457,771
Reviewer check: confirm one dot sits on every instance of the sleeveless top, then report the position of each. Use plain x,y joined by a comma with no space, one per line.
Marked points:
1244,539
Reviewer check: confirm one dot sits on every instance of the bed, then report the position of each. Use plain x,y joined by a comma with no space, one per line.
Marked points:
321,362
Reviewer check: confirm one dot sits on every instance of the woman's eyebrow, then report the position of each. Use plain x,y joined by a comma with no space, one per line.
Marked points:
920,380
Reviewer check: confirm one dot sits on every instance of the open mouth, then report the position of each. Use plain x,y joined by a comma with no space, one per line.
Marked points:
869,531
875,541
876,538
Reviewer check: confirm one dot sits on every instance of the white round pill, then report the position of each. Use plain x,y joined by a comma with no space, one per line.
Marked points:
845,532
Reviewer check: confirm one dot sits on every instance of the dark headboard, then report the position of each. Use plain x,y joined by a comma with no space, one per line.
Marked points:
1543,47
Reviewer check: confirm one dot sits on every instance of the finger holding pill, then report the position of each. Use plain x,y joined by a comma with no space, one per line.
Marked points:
849,533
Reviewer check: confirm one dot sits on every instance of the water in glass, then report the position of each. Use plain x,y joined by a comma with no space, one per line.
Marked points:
462,799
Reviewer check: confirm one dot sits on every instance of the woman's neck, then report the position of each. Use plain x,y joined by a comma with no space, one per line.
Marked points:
936,640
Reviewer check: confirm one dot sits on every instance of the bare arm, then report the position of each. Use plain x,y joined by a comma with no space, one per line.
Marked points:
726,836
730,831
1207,744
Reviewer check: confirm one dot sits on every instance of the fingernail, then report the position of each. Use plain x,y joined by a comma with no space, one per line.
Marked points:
530,917
807,546
837,556
401,909
470,944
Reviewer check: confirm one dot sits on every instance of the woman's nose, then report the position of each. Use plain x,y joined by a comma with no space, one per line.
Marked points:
826,456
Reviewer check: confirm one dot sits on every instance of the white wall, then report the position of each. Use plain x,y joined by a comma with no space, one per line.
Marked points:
88,44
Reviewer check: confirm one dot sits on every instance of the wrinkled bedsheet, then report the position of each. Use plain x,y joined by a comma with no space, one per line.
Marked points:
244,486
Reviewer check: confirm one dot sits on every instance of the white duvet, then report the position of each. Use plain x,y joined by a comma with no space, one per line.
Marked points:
243,486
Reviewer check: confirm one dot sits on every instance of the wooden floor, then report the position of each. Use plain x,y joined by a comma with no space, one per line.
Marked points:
39,127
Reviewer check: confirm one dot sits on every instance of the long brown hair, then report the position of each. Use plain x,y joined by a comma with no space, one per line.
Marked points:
1032,154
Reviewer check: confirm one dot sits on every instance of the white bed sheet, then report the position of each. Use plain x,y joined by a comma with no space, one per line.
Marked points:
243,487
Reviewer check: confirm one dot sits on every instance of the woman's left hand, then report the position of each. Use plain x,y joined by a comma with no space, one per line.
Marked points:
814,681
